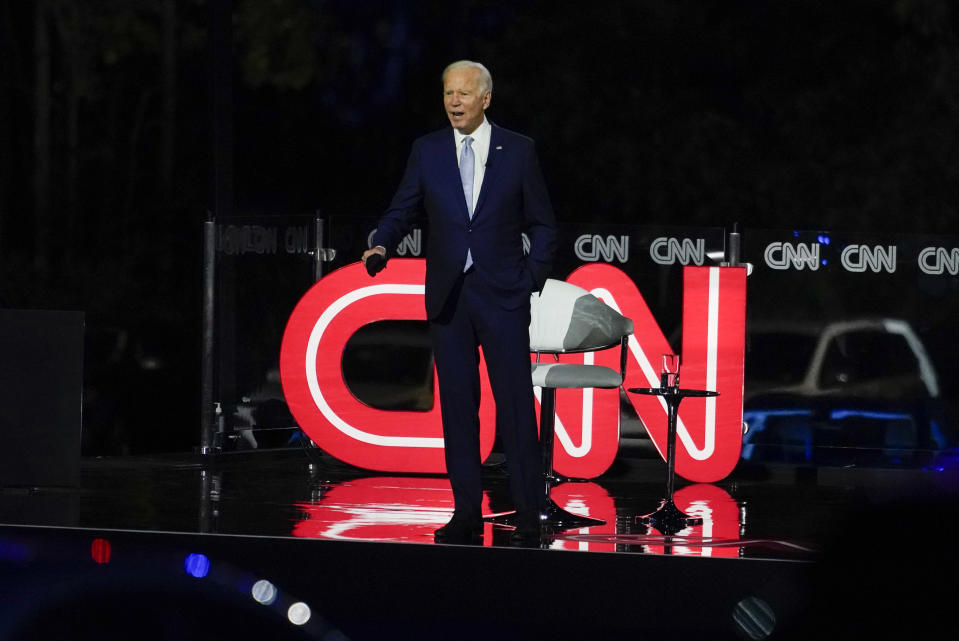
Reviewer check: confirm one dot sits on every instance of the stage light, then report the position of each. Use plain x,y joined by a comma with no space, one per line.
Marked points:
15,551
823,239
264,592
197,565
299,613
754,618
100,550
838,415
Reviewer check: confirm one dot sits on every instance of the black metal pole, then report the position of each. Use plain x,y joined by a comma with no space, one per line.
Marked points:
318,250
547,430
207,419
734,247
221,107
672,404
221,198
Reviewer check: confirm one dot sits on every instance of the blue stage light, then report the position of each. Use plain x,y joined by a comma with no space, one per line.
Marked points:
838,415
15,551
197,565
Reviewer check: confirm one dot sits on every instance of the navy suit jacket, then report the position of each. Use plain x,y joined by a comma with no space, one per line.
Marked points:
513,199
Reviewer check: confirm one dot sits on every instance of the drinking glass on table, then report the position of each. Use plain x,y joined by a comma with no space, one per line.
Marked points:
669,376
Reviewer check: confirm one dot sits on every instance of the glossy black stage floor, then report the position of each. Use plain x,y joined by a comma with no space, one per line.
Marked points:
293,544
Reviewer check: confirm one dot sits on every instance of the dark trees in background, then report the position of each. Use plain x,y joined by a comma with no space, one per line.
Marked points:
92,100
829,115
815,114
798,113
101,191
822,115
41,136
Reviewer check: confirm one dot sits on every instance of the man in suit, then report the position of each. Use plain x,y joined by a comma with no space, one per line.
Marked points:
481,188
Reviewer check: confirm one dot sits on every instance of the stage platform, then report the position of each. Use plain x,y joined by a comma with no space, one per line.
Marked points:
181,546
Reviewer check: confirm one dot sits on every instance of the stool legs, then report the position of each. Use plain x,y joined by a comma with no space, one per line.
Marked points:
552,517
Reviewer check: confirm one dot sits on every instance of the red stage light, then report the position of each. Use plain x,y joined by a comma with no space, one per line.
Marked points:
100,550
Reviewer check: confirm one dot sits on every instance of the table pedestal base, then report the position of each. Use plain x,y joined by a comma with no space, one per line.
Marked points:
669,519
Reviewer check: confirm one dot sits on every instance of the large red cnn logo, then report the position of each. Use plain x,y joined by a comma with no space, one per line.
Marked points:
587,426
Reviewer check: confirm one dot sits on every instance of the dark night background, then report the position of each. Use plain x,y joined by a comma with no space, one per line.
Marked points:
800,114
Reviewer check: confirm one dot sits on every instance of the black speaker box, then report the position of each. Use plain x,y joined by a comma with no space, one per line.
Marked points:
41,394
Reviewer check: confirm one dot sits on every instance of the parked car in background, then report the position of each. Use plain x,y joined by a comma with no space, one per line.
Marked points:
851,392
871,358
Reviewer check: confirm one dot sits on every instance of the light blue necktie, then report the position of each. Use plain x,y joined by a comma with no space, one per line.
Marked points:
467,164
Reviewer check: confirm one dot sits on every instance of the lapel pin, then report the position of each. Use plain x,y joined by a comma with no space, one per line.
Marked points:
500,147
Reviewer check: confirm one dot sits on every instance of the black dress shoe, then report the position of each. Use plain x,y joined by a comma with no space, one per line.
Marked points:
529,529
460,529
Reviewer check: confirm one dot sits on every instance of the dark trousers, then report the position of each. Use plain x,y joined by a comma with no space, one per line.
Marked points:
472,318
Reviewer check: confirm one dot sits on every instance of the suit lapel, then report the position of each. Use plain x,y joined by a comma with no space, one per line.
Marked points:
493,164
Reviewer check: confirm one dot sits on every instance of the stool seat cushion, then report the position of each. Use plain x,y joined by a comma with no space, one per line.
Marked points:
572,375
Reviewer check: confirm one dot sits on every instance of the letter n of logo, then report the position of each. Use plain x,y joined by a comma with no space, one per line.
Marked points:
709,434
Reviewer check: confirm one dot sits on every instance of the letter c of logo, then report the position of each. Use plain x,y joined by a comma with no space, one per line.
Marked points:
312,374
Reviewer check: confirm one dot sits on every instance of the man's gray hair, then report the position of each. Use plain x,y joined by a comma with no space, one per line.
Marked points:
485,79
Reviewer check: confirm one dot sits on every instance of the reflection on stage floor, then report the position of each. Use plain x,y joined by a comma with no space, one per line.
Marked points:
773,512
780,548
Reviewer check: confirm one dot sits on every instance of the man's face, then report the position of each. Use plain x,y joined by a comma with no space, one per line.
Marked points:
463,100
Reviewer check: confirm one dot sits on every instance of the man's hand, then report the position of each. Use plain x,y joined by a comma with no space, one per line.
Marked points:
375,250
374,259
